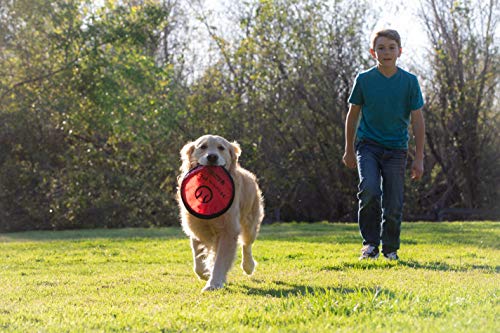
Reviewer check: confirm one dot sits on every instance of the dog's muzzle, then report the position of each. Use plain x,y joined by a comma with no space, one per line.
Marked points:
212,159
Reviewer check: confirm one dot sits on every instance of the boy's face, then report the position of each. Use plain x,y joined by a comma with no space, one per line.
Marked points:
386,51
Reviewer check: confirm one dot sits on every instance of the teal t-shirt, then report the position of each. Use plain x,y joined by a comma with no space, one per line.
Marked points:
386,104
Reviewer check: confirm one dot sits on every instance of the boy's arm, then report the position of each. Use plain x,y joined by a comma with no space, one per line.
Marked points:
418,127
351,122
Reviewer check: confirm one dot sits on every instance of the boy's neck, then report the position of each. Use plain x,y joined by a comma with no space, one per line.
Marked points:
387,71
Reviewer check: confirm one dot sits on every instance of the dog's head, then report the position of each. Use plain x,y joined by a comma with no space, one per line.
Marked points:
210,150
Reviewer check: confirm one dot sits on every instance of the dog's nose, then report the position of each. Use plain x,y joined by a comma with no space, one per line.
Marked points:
212,158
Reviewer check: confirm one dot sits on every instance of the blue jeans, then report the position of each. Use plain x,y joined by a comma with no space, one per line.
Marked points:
381,185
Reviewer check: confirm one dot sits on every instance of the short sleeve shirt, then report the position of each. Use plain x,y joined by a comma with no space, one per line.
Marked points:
386,104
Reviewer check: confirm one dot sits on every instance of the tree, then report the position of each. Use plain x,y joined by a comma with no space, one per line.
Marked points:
462,104
286,82
86,113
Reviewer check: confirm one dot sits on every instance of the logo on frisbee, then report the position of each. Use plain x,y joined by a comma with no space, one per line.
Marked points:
203,194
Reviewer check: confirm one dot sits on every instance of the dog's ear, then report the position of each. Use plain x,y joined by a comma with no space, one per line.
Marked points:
186,152
235,151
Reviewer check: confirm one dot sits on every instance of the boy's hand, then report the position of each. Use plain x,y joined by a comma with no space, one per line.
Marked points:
417,169
349,160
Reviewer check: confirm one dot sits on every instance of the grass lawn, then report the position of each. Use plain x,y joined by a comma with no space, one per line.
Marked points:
308,279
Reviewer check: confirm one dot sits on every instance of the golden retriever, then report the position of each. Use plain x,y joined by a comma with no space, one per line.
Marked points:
214,241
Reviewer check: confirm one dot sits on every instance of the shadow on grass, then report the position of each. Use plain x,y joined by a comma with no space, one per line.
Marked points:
284,290
360,265
440,266
429,266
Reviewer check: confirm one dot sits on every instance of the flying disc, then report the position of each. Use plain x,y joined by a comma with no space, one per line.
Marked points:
207,191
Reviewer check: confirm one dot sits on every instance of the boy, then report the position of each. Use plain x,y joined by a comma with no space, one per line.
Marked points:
386,98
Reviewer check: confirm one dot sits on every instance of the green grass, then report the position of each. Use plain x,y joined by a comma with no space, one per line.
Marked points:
308,280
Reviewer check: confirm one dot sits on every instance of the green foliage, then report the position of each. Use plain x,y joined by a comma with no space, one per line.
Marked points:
286,82
462,108
84,135
308,280
96,101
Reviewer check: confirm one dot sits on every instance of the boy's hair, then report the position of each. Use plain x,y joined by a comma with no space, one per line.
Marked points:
387,33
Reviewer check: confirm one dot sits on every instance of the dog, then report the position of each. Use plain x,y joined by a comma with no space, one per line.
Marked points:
214,241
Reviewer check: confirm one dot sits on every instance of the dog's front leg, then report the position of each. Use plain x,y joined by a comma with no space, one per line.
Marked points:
226,251
199,255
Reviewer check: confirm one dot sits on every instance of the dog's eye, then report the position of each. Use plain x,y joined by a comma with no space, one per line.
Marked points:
203,147
221,148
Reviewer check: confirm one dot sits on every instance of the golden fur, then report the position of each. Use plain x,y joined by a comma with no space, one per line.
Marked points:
214,241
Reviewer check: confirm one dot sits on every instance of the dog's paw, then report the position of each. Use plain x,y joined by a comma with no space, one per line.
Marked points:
211,286
248,266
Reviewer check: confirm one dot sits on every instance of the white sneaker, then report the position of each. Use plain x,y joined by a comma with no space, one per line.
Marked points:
391,256
369,252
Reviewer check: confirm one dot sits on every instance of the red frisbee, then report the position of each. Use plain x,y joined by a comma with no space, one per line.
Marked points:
207,191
